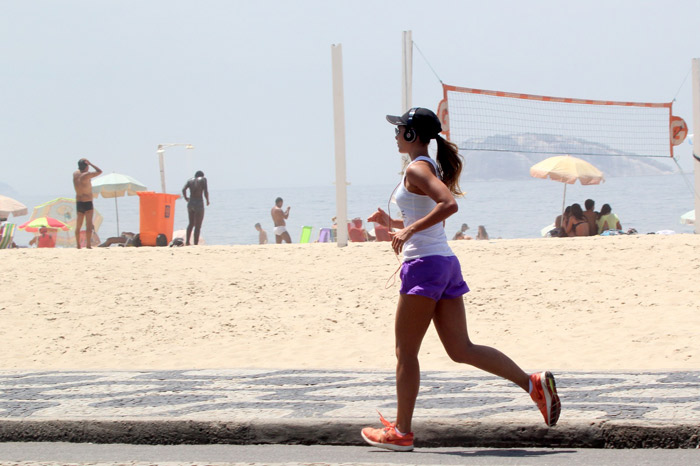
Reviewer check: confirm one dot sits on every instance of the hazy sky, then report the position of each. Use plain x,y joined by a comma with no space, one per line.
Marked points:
248,83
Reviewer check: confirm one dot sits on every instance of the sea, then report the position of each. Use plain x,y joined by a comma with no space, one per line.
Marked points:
507,209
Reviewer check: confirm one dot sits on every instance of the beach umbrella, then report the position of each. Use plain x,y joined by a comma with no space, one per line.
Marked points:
9,206
116,185
567,169
48,222
63,209
688,218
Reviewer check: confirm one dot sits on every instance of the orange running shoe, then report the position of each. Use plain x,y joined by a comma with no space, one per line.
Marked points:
544,393
388,437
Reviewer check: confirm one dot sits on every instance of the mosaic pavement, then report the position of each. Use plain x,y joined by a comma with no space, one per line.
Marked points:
230,395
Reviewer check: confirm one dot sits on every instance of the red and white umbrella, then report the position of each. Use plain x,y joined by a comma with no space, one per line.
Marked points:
43,222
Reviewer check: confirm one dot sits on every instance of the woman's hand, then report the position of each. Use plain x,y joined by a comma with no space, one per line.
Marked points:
380,217
399,237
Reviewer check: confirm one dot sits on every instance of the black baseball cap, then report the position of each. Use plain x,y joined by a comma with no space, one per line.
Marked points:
422,120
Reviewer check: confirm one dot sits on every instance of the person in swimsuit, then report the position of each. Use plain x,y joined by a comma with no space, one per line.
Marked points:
195,204
262,234
591,216
82,182
431,280
279,218
462,233
577,225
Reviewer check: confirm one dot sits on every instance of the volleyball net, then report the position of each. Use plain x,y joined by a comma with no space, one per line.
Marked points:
477,119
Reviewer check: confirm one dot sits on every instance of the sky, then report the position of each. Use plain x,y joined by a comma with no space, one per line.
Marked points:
249,83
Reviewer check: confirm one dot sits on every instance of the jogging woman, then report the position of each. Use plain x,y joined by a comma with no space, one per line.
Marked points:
431,280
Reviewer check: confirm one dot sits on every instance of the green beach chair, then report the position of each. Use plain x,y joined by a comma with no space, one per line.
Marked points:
305,234
8,233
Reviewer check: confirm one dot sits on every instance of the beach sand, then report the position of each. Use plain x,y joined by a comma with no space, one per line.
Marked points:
601,303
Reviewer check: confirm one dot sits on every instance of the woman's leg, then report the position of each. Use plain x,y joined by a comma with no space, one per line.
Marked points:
451,324
413,316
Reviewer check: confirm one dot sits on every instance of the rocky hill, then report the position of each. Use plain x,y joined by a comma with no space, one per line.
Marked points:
512,165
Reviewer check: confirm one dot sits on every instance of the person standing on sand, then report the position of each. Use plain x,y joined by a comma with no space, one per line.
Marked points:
278,217
195,204
83,199
431,280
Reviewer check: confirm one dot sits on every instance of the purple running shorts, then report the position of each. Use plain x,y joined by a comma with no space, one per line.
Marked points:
435,277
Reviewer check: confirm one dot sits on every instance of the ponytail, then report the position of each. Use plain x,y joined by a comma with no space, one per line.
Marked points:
450,164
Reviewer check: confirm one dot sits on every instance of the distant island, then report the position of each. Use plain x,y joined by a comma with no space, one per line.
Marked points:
489,165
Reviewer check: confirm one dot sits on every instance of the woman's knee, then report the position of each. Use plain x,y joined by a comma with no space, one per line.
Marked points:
406,355
462,353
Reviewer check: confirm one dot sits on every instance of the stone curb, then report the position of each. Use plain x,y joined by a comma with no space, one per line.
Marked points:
604,434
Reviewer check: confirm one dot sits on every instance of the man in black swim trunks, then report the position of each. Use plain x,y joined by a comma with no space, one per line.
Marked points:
83,199
195,204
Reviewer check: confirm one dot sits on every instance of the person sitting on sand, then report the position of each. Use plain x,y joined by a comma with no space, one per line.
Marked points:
462,233
357,232
262,234
559,231
44,240
591,217
608,220
481,233
126,239
576,225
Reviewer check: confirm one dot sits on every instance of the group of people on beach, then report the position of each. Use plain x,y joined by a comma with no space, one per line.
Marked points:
575,221
194,192
462,233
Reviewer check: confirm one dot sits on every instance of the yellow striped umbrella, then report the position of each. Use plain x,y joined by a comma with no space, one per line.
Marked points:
567,169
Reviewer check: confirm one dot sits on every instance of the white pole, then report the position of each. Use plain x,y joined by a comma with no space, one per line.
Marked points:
161,164
116,208
696,142
341,190
407,72
563,202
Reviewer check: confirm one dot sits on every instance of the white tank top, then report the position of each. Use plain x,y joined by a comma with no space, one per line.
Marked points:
431,241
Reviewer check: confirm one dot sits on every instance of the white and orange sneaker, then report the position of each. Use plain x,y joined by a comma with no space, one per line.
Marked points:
544,394
387,437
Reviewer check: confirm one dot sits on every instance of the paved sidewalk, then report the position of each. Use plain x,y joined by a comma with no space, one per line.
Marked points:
306,406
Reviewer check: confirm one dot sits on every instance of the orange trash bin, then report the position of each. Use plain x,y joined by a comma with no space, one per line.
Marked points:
156,216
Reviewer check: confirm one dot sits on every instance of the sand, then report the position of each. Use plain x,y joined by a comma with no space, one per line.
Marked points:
601,303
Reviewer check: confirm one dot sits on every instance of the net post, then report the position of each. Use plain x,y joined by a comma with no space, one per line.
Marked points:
341,189
696,133
407,72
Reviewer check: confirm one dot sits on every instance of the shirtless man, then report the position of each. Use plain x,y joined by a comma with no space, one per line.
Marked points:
195,204
83,199
591,216
262,234
278,217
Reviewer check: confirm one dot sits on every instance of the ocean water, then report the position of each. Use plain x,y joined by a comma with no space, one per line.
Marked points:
507,209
